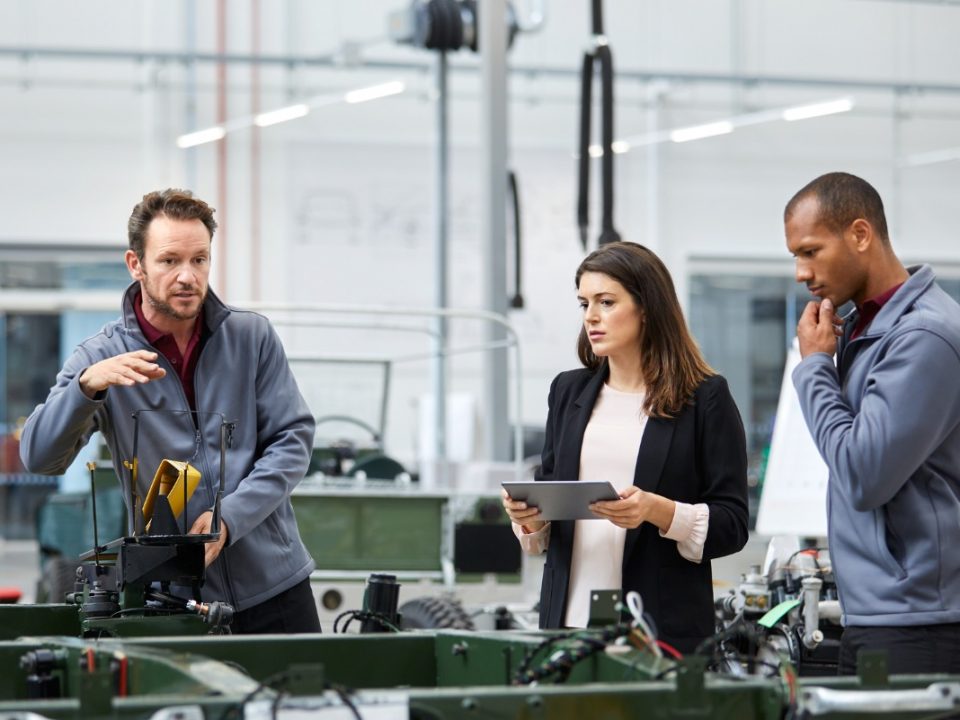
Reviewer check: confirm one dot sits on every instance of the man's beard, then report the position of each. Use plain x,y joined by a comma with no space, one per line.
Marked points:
165,308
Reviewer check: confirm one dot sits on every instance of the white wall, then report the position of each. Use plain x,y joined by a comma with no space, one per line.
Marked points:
346,194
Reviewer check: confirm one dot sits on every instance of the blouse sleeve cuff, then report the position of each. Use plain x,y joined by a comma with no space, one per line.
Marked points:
689,529
534,543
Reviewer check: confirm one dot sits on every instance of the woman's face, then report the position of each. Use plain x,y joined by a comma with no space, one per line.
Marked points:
610,316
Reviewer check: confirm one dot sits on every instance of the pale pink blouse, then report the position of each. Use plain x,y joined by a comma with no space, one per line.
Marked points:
611,442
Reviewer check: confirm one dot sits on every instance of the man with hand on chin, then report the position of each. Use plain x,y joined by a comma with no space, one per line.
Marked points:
885,416
178,349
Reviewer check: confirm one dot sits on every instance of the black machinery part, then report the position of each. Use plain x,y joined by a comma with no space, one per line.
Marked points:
440,612
600,54
380,604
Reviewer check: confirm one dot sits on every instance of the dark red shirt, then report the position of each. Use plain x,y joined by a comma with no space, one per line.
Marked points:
183,363
870,308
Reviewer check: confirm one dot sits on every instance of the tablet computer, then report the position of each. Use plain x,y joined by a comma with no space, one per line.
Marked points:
561,499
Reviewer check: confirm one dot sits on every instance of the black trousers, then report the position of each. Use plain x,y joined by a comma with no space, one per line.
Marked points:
910,649
292,611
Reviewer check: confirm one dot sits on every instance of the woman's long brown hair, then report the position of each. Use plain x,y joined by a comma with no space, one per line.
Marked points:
670,359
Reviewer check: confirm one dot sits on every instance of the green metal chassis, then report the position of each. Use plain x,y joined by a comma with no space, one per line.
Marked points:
442,674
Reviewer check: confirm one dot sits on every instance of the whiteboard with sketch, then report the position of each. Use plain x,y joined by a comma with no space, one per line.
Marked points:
794,497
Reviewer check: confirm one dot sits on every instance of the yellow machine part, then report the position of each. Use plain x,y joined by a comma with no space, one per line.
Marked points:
169,481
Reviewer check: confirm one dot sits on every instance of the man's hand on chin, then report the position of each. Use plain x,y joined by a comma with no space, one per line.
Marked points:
819,328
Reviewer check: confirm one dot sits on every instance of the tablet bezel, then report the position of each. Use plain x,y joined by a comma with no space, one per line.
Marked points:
561,499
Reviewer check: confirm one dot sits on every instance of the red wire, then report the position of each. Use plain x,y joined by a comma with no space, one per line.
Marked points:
791,679
670,649
123,676
90,665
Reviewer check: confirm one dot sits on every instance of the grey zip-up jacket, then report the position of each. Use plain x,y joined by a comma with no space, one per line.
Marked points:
242,374
886,419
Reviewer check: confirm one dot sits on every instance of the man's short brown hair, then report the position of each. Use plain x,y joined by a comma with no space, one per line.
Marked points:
173,203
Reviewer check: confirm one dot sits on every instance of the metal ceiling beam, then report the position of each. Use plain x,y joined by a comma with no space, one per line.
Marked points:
333,61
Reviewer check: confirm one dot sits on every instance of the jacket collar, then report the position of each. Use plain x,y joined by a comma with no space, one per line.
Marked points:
920,280
214,310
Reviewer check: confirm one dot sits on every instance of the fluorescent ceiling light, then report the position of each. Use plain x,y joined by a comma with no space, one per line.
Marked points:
374,92
933,157
724,127
804,112
618,146
291,112
202,136
698,132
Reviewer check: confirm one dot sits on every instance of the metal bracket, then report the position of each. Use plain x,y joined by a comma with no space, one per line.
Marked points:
938,697
872,668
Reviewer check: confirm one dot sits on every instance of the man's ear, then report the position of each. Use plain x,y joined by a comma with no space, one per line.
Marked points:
862,233
134,266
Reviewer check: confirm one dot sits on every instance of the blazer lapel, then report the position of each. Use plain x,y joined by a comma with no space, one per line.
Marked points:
568,460
652,455
651,458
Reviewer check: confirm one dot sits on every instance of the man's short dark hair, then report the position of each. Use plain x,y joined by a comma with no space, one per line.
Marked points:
843,198
172,203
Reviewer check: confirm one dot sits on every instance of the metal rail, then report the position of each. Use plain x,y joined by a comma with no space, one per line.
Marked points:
512,342
334,61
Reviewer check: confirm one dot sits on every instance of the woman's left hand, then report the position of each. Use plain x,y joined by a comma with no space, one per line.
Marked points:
636,507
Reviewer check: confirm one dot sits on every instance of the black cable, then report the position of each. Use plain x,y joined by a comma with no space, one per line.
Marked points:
713,647
363,615
281,678
517,300
607,232
816,559
264,684
600,53
336,620
728,633
533,652
275,705
596,16
151,611
344,695
583,189
561,666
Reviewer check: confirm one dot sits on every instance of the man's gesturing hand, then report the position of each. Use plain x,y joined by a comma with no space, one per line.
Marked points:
127,369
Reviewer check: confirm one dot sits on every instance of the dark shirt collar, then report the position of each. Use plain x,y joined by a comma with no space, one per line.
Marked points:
868,311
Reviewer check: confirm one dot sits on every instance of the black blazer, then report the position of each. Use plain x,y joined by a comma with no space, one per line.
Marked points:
697,457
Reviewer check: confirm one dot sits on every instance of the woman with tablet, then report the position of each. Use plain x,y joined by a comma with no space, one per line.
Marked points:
647,414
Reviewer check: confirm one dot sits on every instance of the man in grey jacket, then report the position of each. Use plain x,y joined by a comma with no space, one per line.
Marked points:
886,419
186,363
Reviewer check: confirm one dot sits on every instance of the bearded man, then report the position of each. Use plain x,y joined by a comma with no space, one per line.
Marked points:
183,363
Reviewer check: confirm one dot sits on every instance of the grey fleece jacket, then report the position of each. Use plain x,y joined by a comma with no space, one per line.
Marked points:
886,419
243,374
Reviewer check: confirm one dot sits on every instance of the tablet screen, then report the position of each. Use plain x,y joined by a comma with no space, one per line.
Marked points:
562,499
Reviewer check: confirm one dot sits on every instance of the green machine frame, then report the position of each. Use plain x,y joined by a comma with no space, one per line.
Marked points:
427,674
